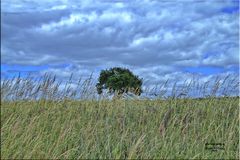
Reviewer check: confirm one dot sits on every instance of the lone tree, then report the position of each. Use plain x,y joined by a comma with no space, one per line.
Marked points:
118,81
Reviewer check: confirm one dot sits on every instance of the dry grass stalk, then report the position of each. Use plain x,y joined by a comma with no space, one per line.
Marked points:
163,125
185,123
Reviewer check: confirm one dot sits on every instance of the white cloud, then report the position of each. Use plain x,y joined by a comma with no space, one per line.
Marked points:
144,40
73,19
231,58
59,7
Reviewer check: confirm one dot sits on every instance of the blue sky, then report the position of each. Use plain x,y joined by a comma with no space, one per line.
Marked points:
157,40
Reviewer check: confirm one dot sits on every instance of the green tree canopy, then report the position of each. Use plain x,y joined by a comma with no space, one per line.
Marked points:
119,80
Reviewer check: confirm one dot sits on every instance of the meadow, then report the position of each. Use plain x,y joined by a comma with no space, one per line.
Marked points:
38,121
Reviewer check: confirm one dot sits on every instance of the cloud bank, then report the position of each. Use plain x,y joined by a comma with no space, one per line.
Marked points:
158,40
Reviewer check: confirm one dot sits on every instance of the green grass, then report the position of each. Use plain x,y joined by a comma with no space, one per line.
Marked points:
120,129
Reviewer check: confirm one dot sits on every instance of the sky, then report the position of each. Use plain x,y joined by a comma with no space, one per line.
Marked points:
156,39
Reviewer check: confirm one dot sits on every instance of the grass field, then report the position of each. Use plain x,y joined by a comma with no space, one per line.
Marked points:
41,121
120,129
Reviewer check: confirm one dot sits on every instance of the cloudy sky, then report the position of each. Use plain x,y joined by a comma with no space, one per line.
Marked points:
156,39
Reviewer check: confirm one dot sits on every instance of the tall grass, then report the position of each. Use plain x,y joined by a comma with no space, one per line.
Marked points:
50,87
48,119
